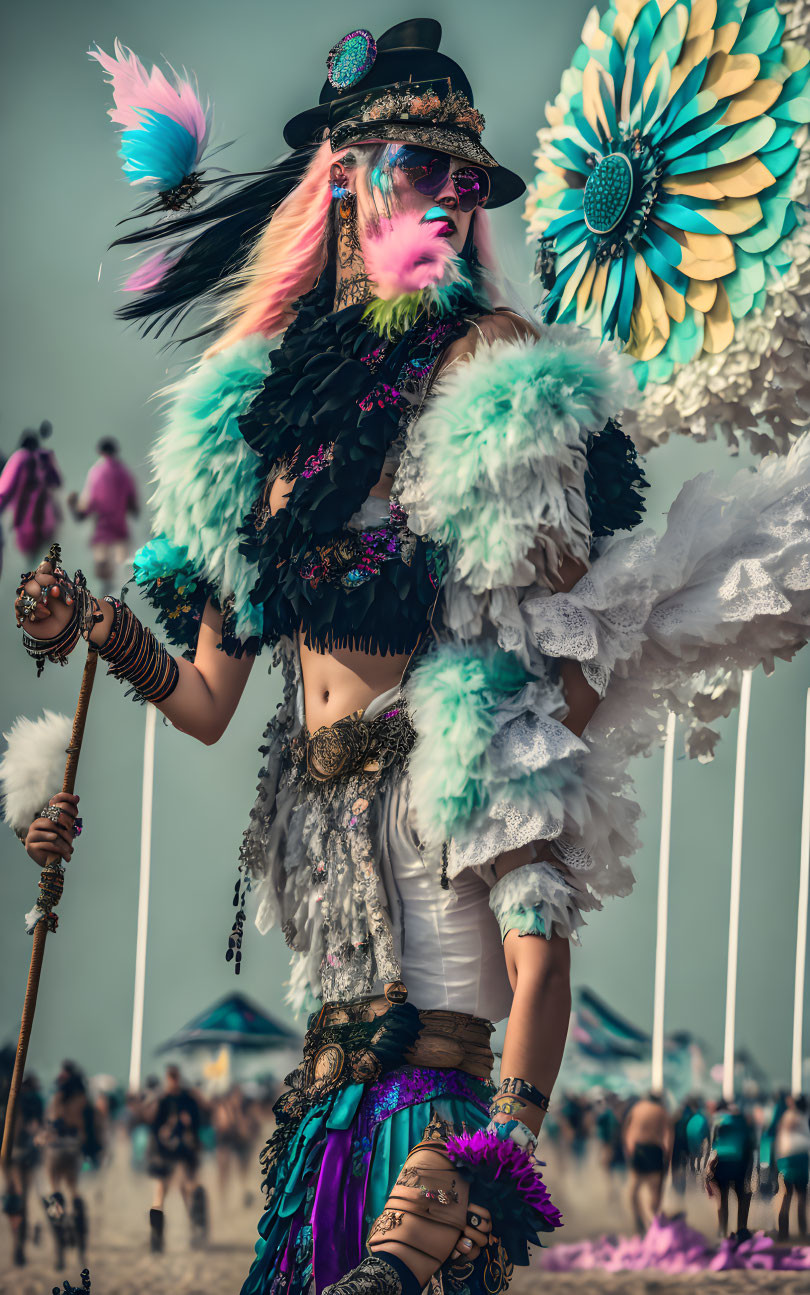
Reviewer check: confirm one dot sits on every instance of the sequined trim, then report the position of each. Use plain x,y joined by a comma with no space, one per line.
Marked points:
421,100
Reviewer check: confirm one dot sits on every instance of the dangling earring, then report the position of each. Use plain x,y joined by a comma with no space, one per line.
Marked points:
347,211
339,192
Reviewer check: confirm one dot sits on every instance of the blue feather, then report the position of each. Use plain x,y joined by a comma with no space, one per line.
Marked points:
160,154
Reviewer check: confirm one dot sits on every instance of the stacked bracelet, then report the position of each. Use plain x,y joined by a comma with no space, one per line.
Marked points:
56,649
86,614
522,1088
134,654
507,1112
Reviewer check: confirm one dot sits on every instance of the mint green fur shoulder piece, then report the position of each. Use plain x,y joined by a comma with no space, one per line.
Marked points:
456,696
499,454
207,477
453,696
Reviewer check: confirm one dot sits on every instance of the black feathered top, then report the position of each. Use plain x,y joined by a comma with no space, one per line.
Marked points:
333,408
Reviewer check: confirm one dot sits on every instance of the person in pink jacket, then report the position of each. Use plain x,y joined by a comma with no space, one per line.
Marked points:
109,495
28,485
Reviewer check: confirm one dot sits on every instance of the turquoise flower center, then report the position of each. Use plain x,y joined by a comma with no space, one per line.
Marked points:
608,193
350,59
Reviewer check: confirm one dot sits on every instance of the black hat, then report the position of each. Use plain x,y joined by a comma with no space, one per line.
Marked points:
401,88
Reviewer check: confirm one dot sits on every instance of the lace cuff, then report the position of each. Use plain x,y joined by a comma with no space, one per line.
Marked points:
602,620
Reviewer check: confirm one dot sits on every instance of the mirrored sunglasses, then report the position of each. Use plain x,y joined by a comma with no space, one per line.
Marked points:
428,171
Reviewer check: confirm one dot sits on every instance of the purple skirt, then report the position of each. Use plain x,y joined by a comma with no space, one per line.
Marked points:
337,1170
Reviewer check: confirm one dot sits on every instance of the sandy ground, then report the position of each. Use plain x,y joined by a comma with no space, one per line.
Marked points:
120,1264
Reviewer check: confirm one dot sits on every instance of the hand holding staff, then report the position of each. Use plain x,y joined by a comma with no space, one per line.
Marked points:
50,884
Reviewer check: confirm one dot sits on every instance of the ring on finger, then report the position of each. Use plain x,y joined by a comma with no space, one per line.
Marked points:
474,1220
52,812
27,605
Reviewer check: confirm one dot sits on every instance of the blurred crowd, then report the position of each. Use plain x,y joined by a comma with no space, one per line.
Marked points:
652,1153
734,1151
30,495
66,1138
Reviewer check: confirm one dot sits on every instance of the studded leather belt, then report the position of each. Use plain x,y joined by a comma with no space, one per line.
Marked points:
356,1042
445,1040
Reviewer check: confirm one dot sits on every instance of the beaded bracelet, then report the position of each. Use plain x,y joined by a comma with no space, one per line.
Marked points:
516,1131
134,654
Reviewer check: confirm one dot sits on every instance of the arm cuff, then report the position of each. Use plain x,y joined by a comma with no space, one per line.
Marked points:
540,899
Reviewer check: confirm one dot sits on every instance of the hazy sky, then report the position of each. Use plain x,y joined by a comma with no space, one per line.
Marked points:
64,357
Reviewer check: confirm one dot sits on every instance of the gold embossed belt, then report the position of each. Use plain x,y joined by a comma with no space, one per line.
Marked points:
352,746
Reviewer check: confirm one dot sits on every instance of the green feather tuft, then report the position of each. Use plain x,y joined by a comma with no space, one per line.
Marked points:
396,316
393,317
460,769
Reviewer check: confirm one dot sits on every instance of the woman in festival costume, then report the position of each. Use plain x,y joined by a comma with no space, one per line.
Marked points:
418,501
28,484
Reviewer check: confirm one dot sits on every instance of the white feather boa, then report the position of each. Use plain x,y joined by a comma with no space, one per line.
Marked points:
33,766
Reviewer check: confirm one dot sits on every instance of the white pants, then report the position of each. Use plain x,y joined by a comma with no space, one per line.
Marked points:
447,941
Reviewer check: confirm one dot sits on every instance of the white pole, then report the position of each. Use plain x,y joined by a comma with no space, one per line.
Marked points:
736,881
657,1068
136,1051
801,923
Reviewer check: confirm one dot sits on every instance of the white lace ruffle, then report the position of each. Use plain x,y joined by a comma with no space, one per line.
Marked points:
731,577
673,619
553,789
601,620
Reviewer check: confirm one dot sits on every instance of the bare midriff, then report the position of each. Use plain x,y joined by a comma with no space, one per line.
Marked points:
342,680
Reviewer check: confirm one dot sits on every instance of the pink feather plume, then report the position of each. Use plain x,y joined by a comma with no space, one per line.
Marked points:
149,274
136,91
408,255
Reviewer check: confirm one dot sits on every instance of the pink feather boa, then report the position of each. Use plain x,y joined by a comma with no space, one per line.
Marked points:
406,254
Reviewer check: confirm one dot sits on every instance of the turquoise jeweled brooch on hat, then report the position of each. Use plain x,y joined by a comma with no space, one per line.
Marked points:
348,61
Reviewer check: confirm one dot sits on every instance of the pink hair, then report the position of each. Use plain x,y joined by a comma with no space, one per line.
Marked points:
286,260
290,253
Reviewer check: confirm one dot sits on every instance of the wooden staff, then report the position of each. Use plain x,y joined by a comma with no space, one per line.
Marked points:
51,882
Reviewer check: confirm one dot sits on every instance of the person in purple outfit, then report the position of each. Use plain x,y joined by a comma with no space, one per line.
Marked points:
110,495
28,485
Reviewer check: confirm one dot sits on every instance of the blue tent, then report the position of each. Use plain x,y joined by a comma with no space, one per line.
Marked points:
234,1021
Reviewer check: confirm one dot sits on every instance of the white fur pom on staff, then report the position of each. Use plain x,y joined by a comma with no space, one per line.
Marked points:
51,878
33,766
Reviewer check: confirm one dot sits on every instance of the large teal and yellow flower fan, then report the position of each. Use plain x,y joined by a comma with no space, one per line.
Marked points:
670,201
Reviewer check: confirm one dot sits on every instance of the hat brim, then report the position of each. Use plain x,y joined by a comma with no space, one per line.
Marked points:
506,185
